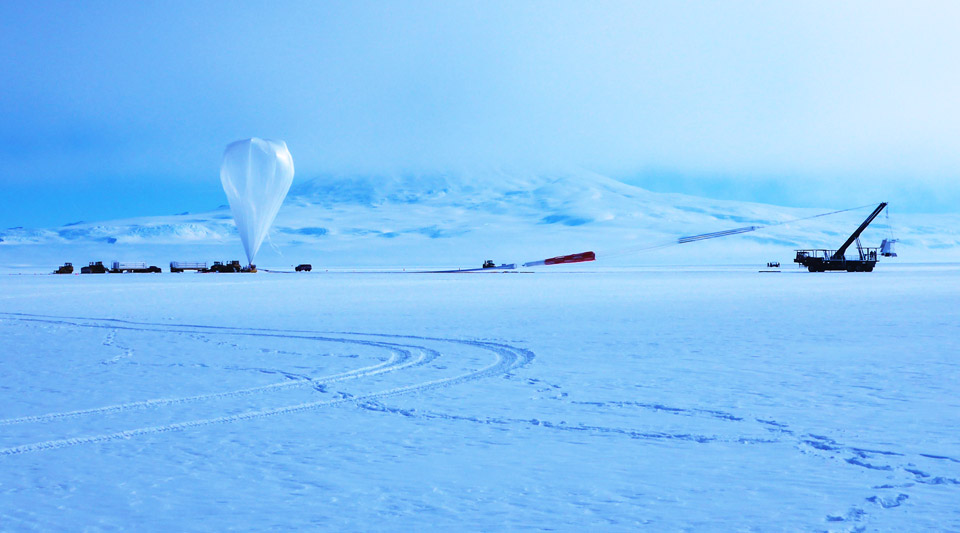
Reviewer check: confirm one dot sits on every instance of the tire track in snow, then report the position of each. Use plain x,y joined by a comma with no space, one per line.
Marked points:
884,496
507,358
400,359
806,442
387,366
500,366
562,426
878,498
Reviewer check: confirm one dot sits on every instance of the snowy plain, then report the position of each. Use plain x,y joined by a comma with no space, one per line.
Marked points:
363,397
583,398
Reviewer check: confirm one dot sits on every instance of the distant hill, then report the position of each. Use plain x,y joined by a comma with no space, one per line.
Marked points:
460,220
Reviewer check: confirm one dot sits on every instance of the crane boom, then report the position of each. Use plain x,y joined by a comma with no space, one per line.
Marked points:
839,254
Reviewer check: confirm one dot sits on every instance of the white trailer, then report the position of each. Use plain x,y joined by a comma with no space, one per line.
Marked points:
180,266
138,267
129,265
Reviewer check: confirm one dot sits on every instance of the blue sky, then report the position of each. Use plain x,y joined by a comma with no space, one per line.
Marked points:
115,109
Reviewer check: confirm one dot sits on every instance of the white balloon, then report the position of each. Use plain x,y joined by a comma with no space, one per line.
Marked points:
256,175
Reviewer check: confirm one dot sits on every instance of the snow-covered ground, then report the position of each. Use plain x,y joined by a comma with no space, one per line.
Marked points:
574,399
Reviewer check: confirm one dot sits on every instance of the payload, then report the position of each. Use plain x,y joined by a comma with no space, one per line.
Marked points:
886,248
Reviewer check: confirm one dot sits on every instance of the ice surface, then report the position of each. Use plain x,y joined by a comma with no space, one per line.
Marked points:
575,399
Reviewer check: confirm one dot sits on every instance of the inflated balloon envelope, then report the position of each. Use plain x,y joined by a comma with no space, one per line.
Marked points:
256,175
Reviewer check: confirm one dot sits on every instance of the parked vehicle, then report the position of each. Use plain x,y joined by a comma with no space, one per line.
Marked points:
221,267
95,267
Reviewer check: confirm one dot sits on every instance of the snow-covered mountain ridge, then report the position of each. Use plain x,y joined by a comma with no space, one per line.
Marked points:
441,219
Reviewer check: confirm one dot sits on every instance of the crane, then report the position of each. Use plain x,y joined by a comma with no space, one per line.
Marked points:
823,260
